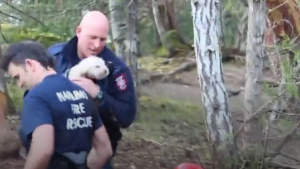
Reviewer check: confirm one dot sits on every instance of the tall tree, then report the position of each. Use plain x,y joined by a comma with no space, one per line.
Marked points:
166,20
254,63
206,23
118,26
132,41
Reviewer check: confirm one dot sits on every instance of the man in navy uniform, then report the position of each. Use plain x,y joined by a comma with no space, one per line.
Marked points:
59,126
116,93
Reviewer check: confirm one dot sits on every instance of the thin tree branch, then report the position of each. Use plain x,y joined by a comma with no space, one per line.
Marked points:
10,16
3,37
24,13
283,142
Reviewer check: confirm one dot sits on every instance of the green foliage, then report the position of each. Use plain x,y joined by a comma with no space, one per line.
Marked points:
233,14
18,33
147,35
175,40
16,95
285,124
58,21
288,63
186,21
271,91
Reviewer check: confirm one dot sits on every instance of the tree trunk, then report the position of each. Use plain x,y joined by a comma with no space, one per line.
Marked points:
3,97
221,26
210,72
240,40
254,66
59,5
157,37
132,42
166,21
159,25
118,26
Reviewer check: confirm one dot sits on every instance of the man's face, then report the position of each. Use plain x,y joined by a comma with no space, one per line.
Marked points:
91,39
25,75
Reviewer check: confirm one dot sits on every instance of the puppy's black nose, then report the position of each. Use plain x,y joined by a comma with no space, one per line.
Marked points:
105,71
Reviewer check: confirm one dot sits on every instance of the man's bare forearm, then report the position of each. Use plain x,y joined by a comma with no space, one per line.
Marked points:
41,148
37,160
96,159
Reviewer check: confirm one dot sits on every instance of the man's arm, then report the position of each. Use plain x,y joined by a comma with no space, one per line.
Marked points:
101,147
41,148
37,126
123,104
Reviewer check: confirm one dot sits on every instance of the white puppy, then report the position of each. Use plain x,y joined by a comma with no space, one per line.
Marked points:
92,67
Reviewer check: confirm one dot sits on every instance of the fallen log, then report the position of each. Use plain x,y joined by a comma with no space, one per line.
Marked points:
229,54
186,66
161,76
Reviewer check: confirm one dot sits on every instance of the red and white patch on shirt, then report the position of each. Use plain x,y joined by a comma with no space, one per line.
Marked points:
121,82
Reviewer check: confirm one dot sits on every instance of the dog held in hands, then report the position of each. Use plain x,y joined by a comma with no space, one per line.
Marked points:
92,67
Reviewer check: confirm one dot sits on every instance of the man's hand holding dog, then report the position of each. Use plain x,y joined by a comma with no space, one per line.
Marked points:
88,85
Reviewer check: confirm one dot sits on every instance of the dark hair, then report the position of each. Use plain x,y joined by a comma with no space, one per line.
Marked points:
18,52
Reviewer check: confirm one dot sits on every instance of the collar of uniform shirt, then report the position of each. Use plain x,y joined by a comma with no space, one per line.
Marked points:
70,51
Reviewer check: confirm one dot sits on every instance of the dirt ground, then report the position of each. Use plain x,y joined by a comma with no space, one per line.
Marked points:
178,146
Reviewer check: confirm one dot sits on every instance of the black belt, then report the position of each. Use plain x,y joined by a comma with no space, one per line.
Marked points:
69,161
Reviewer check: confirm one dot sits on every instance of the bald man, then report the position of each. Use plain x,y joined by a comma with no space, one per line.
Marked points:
116,93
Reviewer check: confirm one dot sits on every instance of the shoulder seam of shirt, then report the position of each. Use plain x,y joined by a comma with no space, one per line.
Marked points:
56,48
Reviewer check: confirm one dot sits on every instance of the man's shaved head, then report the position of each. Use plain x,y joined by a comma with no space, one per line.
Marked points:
92,34
94,17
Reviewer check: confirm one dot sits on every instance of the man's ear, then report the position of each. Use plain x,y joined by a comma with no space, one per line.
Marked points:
29,65
78,31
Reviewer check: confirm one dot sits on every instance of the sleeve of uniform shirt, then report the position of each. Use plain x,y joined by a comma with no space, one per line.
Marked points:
123,102
97,121
36,112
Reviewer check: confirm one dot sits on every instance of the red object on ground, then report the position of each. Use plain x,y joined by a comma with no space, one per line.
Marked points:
189,166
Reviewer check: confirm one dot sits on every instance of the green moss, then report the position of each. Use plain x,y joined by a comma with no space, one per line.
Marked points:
162,117
175,43
162,52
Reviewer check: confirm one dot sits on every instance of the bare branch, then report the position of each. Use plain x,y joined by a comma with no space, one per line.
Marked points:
255,114
3,37
10,16
24,13
290,157
283,142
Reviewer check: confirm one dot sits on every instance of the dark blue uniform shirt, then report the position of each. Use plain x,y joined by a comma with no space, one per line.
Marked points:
118,107
66,106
